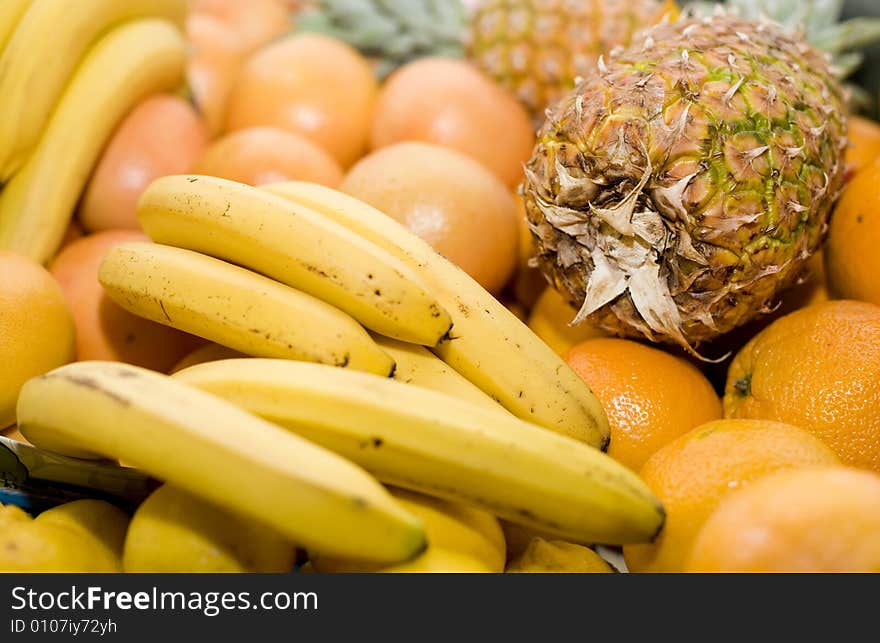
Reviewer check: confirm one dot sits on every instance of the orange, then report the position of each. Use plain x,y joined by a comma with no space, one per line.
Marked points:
261,155
254,22
550,318
163,135
853,238
650,396
691,475
449,102
864,142
817,368
105,331
312,85
36,327
806,520
216,55
449,200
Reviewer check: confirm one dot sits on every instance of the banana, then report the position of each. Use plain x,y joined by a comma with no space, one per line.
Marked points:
11,12
449,525
296,246
488,345
215,451
49,41
235,307
426,441
131,62
418,366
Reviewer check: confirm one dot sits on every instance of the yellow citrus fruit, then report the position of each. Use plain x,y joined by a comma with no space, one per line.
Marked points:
692,474
449,200
558,557
853,237
817,368
806,520
36,327
550,318
650,396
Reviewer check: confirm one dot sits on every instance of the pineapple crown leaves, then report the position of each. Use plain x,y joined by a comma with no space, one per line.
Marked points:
391,31
818,20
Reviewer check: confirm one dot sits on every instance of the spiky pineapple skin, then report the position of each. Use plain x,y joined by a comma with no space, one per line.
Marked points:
537,48
683,185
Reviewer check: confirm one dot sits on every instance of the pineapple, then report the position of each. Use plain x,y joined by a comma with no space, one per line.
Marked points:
391,32
686,181
537,48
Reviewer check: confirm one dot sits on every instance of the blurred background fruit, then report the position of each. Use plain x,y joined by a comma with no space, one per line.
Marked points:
650,396
260,155
449,200
528,281
803,520
309,84
817,368
549,319
691,474
254,22
104,331
390,34
163,135
36,327
853,238
537,49
448,102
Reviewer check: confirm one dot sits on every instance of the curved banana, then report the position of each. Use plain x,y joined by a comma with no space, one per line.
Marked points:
11,12
235,307
418,366
296,246
215,451
425,441
450,526
40,58
488,344
131,62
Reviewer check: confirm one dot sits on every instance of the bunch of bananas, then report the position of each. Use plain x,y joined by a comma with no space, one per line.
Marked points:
347,355
70,70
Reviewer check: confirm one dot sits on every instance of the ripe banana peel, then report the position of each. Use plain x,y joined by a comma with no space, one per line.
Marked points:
296,246
488,345
132,61
42,54
429,442
235,307
218,452
11,12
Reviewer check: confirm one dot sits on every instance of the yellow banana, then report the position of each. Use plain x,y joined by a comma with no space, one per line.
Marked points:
131,62
41,56
215,451
426,441
11,12
235,307
449,525
440,561
418,366
488,345
296,246
209,352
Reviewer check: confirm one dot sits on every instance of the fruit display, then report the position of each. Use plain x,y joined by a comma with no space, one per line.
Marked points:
438,286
